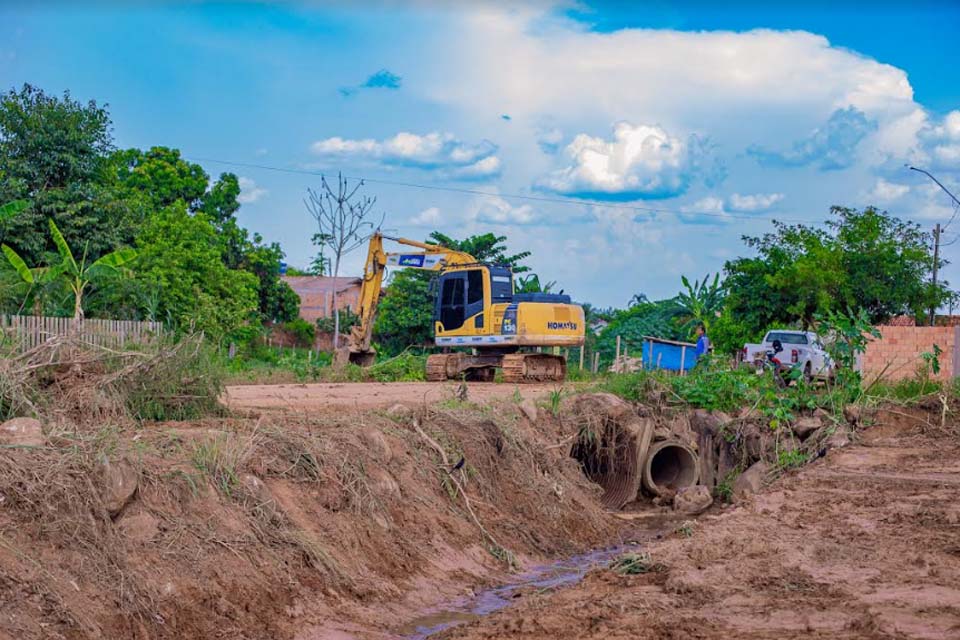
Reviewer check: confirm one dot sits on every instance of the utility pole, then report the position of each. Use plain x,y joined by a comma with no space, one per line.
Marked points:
936,261
936,235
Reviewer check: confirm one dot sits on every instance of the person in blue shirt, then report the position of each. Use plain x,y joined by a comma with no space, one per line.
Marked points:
703,342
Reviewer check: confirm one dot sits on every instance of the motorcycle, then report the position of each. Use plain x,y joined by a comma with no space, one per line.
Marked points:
772,361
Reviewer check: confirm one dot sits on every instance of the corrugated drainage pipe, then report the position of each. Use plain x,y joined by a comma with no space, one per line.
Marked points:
670,466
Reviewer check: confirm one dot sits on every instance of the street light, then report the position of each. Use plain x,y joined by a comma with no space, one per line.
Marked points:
939,184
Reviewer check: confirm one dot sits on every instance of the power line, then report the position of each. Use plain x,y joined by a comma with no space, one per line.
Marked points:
734,213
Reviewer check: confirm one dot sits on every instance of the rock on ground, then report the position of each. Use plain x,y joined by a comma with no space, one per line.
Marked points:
376,444
803,427
692,500
839,438
382,483
400,411
141,527
25,432
257,495
529,409
120,480
750,481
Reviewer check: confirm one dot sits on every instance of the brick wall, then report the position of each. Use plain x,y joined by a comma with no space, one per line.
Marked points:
317,298
897,354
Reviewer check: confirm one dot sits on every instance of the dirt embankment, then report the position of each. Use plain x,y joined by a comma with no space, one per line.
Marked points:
863,543
284,526
337,396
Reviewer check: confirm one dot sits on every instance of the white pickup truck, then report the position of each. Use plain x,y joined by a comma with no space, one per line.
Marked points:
801,349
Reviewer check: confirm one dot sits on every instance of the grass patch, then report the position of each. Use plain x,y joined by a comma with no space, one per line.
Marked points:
635,563
724,489
221,460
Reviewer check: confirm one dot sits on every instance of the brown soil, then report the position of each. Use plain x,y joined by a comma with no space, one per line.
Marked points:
368,395
312,520
285,526
863,543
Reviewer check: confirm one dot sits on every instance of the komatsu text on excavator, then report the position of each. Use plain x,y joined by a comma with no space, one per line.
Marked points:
475,307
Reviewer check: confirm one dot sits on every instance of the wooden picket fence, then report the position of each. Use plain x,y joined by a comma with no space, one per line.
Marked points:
26,332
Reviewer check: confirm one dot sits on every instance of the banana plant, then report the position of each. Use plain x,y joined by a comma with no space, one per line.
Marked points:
78,276
702,301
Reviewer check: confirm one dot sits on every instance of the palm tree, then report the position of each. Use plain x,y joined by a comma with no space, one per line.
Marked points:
531,284
77,275
701,302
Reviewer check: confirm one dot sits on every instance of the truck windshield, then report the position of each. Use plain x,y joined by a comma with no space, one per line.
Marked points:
787,338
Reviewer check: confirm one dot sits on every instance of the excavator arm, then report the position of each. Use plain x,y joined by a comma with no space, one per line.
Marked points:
431,257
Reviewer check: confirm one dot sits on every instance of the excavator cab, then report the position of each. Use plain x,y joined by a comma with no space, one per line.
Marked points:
462,296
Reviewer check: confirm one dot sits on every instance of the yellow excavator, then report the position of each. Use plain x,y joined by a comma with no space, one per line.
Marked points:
475,307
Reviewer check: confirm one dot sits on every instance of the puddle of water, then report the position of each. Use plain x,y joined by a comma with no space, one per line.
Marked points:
549,576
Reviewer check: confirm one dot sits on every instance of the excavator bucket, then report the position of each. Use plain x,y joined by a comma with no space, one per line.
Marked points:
343,355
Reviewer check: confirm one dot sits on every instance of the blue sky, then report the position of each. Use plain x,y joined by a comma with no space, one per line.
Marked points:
645,137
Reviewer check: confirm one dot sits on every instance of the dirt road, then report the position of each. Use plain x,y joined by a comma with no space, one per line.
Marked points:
367,395
864,543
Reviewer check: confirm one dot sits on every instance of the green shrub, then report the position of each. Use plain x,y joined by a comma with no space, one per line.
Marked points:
302,331
181,381
405,367
634,387
348,319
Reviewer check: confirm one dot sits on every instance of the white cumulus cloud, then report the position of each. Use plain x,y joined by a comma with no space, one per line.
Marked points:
549,139
884,191
431,151
641,161
709,210
943,141
426,218
496,210
755,202
249,191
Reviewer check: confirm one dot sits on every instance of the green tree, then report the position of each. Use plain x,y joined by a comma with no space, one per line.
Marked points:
180,259
54,152
161,178
861,260
277,301
486,247
657,319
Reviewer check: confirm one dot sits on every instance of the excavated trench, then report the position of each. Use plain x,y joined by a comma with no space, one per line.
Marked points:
562,573
630,457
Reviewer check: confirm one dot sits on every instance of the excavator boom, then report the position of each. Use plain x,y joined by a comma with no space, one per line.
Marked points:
359,349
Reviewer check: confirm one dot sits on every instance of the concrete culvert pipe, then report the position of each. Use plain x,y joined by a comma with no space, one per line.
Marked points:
670,466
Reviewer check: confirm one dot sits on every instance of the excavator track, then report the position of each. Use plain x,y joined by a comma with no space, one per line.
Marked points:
442,366
533,367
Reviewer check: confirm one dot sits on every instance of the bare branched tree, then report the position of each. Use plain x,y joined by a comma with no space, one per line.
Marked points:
341,216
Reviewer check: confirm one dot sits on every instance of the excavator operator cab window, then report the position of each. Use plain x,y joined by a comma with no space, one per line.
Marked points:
474,287
461,297
501,284
452,299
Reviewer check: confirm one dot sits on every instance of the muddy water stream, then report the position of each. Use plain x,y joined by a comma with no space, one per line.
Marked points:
541,578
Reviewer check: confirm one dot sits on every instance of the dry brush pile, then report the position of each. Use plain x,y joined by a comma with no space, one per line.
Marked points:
73,383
